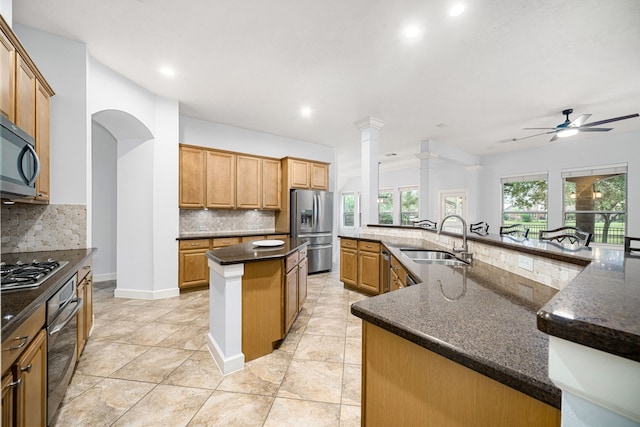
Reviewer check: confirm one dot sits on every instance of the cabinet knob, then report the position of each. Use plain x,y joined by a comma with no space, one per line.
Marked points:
27,368
15,384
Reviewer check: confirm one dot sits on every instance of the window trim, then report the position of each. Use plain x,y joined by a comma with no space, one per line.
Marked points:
533,176
355,209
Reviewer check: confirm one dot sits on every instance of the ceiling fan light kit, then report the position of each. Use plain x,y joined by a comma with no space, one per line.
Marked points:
570,128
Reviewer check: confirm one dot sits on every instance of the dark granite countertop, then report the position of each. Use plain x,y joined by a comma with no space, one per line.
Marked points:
480,316
247,252
19,304
222,234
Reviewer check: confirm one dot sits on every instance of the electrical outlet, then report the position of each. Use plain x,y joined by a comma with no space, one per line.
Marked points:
525,262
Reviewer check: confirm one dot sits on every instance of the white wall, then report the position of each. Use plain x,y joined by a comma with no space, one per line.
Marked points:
63,63
103,185
6,10
604,149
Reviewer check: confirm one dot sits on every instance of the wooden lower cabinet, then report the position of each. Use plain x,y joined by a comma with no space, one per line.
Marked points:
303,271
369,271
291,298
404,384
85,315
398,279
8,399
360,263
193,268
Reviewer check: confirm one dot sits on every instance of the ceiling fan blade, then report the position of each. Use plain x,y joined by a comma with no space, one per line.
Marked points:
615,119
538,128
579,121
583,129
555,137
526,137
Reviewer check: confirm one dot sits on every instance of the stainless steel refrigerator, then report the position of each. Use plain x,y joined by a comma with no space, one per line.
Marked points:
312,220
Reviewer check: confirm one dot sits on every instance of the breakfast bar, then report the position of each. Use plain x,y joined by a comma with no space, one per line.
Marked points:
256,291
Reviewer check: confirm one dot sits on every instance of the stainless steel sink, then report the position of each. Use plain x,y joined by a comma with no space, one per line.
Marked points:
424,256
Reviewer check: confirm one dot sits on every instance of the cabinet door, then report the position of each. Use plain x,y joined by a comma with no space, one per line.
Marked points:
7,78
25,97
349,266
368,271
248,183
8,399
221,180
42,138
319,175
271,184
298,173
303,270
193,268
31,400
192,177
291,298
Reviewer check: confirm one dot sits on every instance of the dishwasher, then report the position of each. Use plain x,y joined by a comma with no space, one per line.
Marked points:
385,276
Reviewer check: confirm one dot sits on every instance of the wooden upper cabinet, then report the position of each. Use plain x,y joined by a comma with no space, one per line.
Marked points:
319,176
42,139
192,177
25,97
221,180
298,173
248,182
7,77
271,184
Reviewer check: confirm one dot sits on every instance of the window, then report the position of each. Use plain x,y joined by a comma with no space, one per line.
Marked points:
409,205
595,201
348,209
385,206
524,201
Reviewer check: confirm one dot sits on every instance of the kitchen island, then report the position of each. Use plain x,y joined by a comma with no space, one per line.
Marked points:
426,344
256,294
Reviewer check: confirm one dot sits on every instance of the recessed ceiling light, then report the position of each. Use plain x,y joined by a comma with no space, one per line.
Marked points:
306,111
411,32
166,71
456,10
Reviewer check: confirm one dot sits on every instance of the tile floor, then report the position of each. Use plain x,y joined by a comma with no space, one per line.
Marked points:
146,364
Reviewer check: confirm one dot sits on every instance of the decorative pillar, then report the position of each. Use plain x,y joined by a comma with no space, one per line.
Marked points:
425,157
370,141
224,340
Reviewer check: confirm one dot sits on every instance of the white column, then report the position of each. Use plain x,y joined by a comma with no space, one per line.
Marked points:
224,340
370,140
425,159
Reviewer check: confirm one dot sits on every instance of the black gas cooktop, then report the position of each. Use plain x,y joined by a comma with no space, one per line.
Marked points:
23,275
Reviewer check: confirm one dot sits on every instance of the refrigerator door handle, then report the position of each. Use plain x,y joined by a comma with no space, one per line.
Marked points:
314,219
318,247
315,235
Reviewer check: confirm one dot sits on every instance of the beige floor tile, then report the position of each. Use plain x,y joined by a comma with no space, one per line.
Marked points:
154,365
352,385
113,330
181,315
150,334
312,380
320,347
353,351
290,343
102,358
323,326
354,327
198,371
333,311
187,338
233,409
299,325
297,413
102,404
79,384
260,376
350,416
165,405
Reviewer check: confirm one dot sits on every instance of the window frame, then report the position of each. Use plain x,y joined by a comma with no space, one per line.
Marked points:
402,190
390,191
534,176
343,212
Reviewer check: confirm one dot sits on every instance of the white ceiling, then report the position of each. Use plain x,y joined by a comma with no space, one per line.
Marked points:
467,82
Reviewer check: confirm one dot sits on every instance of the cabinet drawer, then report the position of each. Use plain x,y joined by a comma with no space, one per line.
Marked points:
349,243
292,261
228,241
368,246
194,244
246,239
302,253
14,345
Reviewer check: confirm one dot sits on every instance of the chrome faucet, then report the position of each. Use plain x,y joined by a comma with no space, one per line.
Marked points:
463,251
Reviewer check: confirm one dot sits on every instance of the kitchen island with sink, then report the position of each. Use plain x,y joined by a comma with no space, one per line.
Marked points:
462,347
256,293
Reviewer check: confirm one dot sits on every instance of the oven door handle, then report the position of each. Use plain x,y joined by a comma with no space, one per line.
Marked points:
55,328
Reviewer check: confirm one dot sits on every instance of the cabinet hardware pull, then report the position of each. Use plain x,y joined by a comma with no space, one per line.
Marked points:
27,369
195,244
16,383
24,339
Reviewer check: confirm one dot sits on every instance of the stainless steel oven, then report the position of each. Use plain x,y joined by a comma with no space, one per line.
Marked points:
62,331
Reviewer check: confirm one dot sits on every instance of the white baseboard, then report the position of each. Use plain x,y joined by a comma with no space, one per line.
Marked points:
104,277
148,295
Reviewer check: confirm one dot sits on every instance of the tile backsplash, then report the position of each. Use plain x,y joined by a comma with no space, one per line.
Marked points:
195,221
29,228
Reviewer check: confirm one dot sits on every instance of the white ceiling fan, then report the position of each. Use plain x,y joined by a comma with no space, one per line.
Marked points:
570,128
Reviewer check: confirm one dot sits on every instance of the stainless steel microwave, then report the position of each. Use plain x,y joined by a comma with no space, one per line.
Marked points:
19,162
